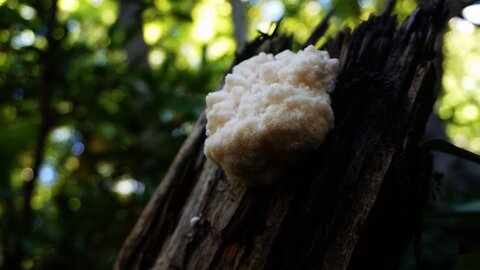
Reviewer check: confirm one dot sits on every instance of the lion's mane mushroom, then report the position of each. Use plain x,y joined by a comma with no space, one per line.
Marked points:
271,111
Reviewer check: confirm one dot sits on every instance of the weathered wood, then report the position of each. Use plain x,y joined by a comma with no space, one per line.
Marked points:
355,202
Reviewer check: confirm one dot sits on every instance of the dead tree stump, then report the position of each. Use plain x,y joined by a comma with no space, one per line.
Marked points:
354,203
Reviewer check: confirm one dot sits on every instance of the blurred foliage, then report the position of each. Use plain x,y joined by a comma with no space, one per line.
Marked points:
451,236
459,105
117,86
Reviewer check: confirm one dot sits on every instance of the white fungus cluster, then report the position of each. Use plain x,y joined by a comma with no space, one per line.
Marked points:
271,111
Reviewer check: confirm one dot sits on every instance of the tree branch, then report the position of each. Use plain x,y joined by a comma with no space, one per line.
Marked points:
319,30
388,7
49,62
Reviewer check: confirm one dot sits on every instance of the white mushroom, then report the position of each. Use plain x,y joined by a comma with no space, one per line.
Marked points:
270,112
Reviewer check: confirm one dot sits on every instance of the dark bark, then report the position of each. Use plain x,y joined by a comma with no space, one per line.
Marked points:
130,23
356,202
388,7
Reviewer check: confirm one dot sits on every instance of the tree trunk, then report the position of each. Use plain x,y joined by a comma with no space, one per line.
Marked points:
354,203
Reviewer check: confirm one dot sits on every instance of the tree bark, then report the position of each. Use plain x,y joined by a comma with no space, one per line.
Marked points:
354,203
239,19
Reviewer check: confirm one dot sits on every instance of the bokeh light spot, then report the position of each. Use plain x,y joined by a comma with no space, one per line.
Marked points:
156,57
17,93
4,35
472,65
325,3
204,31
460,141
166,116
272,10
461,25
264,27
27,263
177,132
191,55
163,5
47,175
27,12
468,84
472,13
312,8
41,43
62,134
224,9
105,169
9,112
409,5
475,145
64,107
72,163
469,112
127,186
74,204
96,3
204,16
77,148
365,3
68,5
445,112
27,174
152,32
25,38
220,47
3,58
108,16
